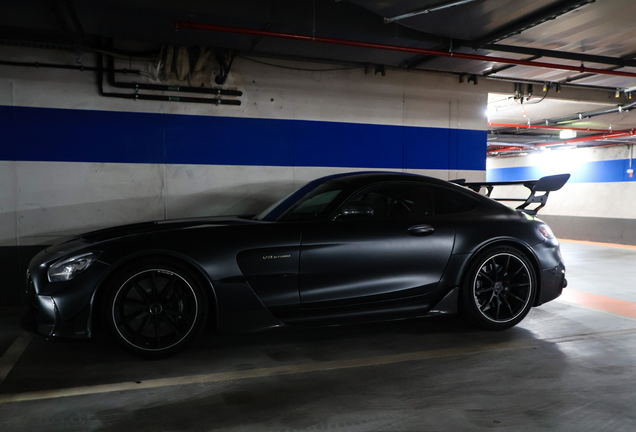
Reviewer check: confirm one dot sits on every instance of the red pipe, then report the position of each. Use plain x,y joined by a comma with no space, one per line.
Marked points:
506,149
527,126
589,138
570,141
581,69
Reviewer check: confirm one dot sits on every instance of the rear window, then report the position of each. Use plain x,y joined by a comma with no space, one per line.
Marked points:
450,202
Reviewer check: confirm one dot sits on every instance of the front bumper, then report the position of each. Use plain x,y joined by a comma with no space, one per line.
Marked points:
60,310
43,317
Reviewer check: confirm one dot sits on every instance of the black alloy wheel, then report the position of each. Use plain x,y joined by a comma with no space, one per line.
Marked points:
500,288
155,309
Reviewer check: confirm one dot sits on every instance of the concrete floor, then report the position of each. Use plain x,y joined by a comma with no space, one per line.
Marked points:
565,367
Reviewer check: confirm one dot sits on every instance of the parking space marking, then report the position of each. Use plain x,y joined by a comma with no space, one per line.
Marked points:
597,302
13,353
301,368
614,245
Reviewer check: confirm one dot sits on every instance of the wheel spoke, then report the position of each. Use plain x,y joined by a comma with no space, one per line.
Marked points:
507,264
142,293
515,297
169,323
484,308
134,303
509,307
498,307
141,327
133,317
168,288
509,278
484,290
153,287
156,323
482,273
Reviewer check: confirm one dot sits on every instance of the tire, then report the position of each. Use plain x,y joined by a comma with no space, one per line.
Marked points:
499,288
155,307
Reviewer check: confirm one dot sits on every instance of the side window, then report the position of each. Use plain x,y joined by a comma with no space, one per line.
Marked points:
398,201
451,202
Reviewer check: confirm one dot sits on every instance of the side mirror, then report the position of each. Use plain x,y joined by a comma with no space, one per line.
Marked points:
354,210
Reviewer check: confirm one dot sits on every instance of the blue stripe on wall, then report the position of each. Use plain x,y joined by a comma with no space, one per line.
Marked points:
47,134
605,171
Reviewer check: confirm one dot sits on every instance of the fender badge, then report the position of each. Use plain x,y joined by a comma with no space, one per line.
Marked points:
269,257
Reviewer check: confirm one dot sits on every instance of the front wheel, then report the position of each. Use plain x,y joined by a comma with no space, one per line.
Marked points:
499,288
154,308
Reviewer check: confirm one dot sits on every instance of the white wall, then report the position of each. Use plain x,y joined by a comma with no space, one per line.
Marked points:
43,200
598,203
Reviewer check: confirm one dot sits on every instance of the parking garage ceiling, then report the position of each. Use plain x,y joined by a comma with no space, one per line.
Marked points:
594,39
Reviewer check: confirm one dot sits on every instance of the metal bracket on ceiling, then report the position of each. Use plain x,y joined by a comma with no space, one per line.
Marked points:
427,10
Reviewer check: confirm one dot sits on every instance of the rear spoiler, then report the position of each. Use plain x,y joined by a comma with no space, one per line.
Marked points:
544,184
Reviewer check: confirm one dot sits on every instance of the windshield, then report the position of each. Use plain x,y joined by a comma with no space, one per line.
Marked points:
310,202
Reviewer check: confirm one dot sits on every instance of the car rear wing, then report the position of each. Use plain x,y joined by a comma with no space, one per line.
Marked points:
545,184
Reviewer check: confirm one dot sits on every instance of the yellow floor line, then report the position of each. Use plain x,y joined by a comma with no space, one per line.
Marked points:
13,353
298,368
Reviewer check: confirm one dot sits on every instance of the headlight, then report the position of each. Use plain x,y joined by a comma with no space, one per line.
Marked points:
546,232
68,268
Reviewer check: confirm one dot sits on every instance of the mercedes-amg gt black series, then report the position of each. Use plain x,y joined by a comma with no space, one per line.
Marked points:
342,249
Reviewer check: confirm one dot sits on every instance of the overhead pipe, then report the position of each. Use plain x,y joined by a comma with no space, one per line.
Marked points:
427,10
572,141
265,33
59,66
589,138
531,126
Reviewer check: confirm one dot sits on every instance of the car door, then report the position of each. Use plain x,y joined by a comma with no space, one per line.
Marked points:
398,250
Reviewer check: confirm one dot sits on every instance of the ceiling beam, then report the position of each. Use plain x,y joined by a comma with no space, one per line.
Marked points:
419,60
503,68
564,55
532,21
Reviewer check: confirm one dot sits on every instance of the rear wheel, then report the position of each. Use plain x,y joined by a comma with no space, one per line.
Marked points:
499,288
155,308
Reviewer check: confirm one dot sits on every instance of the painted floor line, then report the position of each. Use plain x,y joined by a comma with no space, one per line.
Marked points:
614,306
585,242
300,368
13,353
593,309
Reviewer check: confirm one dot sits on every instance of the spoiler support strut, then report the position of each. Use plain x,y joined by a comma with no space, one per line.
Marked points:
545,184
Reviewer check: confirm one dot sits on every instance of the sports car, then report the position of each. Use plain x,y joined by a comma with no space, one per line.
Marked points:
342,249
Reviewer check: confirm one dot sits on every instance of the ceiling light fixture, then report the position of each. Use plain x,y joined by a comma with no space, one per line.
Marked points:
567,134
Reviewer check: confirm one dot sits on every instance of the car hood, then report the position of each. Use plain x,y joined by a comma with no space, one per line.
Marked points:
99,236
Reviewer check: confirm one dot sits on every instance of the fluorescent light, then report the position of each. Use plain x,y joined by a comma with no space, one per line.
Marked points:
567,134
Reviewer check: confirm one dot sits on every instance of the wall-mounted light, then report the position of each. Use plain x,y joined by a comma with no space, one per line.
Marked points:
567,134
618,93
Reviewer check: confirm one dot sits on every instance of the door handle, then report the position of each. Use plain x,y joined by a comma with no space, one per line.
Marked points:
421,230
